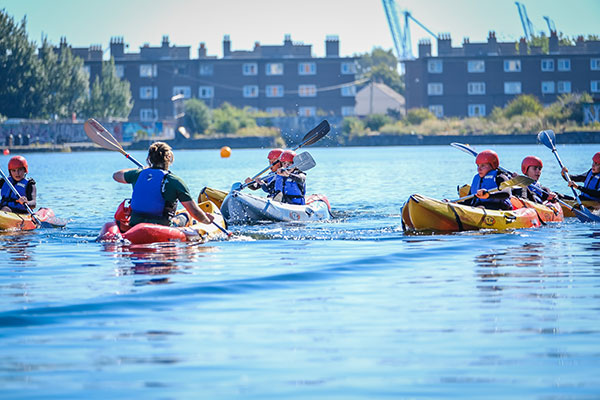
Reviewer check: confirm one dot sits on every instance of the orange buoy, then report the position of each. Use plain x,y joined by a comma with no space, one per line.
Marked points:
225,151
6,152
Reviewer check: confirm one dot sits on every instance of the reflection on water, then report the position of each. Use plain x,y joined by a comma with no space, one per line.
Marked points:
19,245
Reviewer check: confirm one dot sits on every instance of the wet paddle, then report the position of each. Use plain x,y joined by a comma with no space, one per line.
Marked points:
517,181
103,138
548,139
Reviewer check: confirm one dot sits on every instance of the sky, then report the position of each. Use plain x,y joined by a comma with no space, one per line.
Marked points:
361,25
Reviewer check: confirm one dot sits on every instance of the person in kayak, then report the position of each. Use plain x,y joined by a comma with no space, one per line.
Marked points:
531,166
489,178
156,191
591,180
289,183
18,169
268,182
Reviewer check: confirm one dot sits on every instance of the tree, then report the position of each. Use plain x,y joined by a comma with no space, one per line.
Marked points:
523,105
111,96
197,116
228,119
381,66
415,116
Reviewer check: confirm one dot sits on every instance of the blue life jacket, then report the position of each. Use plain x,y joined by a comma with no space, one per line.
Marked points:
8,197
488,182
147,198
536,189
293,193
592,181
269,184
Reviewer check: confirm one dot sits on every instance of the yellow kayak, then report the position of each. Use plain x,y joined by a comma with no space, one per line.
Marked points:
24,222
589,204
215,195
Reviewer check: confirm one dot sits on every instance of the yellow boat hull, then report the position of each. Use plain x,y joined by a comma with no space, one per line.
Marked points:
590,205
215,195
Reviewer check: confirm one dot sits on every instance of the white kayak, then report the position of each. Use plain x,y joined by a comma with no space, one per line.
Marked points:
242,208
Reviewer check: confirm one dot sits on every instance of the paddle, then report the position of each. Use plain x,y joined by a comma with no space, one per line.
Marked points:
519,180
103,138
548,139
303,161
467,149
313,136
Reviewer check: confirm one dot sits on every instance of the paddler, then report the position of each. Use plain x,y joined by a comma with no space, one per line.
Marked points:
531,166
591,180
10,202
489,178
268,182
290,183
156,191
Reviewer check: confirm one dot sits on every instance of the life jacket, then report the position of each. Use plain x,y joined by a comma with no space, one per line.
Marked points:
592,181
147,199
488,182
9,198
269,184
536,190
293,193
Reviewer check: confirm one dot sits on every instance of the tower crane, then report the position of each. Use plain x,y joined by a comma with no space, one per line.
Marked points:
525,21
551,26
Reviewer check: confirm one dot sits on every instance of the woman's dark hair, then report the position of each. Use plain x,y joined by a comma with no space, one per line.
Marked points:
160,155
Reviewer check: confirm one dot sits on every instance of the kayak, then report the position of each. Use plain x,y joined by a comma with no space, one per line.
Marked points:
422,213
145,233
245,208
589,204
215,195
24,222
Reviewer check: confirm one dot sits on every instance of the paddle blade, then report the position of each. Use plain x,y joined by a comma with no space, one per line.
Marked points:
315,134
464,147
304,161
102,137
547,138
517,181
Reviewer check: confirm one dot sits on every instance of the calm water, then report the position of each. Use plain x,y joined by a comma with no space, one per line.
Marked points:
350,308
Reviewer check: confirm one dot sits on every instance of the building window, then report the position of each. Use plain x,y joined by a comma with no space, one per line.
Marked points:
348,91
476,88
86,70
348,111
348,68
547,64
563,64
595,86
148,71
249,69
186,91
275,110
547,87
274,91
307,111
435,89
476,66
250,91
120,71
595,64
437,110
274,69
564,87
206,69
148,114
512,65
148,92
476,110
435,66
307,90
307,68
512,87
206,92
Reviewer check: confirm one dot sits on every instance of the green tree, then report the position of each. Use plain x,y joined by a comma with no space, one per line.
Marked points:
197,116
415,116
523,105
229,119
375,121
110,96
381,66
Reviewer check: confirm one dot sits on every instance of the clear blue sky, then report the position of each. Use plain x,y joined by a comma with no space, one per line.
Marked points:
360,24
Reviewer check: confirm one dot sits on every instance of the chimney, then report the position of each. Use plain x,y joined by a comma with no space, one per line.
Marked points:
444,44
226,46
202,50
580,43
523,46
553,43
117,48
165,41
492,43
332,46
424,48
95,52
287,40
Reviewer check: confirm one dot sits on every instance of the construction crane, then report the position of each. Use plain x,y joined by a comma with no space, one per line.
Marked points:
551,26
525,21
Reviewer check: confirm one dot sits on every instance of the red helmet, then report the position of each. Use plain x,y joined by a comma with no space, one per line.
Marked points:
288,156
596,158
530,161
18,162
488,157
274,154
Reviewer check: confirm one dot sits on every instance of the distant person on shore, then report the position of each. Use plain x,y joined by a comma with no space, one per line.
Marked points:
489,178
267,183
531,166
18,169
591,180
290,183
156,191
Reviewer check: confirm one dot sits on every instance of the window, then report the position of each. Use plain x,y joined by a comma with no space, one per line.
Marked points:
180,70
437,110
307,111
595,86
186,91
120,71
148,71
249,69
148,114
512,87
307,68
512,65
307,90
547,64
148,92
435,66
348,68
250,91
275,110
564,87
476,88
274,69
206,92
563,64
595,64
347,111
86,70
274,91
547,87
435,89
348,91
476,66
206,69
476,110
